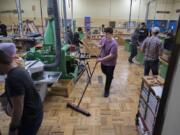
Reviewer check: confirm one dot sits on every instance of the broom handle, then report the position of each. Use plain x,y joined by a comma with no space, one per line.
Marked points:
89,80
87,84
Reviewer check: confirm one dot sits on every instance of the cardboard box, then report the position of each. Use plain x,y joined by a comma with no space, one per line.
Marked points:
62,88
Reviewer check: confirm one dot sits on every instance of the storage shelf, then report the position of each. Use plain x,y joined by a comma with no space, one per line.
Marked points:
149,100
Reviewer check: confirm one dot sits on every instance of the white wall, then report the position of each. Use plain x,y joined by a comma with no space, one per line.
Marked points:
102,10
164,5
120,8
108,8
26,6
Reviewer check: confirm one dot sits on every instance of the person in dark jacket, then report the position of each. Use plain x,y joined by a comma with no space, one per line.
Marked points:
169,41
134,44
68,37
76,39
143,33
24,103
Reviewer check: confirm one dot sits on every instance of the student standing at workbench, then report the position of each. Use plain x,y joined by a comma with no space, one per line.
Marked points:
24,103
152,48
108,57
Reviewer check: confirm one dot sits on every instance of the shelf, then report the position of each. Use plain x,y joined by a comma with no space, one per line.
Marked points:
150,95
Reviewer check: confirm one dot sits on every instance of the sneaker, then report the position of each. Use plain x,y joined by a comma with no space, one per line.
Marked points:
130,61
106,94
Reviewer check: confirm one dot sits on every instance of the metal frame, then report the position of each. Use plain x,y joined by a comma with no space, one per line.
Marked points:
42,22
167,86
65,16
18,7
129,26
147,9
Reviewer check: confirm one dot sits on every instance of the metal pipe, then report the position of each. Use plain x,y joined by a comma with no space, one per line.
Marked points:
54,13
18,7
65,16
139,10
130,15
72,16
42,22
147,9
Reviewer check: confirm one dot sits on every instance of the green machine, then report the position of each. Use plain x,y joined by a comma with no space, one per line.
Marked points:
81,35
164,63
163,67
140,57
127,46
48,53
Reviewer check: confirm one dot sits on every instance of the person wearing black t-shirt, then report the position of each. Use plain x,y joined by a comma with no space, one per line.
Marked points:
24,103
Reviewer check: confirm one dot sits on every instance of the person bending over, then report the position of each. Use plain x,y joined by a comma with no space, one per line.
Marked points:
24,103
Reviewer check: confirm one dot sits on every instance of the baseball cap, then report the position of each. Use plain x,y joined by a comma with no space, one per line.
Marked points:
8,48
155,29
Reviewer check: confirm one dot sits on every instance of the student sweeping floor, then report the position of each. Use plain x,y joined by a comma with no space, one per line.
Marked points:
109,116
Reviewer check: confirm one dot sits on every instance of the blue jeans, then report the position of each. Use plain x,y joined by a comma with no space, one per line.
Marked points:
152,65
30,126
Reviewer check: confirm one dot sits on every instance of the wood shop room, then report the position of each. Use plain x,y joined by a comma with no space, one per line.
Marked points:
89,67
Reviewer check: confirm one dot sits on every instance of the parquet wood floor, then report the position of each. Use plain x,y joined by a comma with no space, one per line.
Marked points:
114,115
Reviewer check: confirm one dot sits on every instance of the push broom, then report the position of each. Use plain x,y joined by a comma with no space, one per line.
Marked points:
77,107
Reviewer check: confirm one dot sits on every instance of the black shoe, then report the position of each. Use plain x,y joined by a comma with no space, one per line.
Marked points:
130,61
106,94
